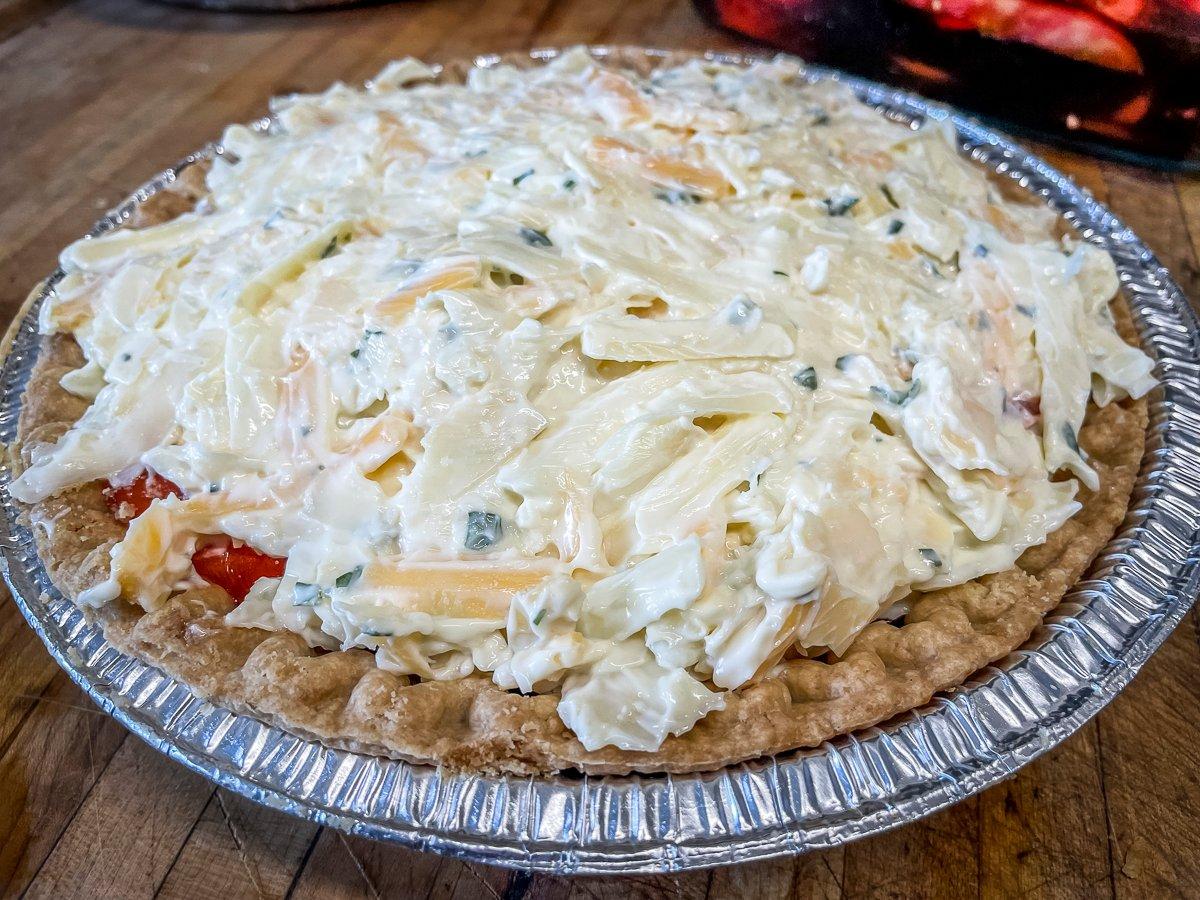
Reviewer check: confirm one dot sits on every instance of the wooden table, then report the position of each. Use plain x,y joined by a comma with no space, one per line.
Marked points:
98,95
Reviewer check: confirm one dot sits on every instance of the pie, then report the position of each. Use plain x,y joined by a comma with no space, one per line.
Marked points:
580,416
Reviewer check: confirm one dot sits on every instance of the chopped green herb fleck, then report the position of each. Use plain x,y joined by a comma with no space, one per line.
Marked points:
806,377
475,154
372,332
213,487
888,195
840,206
535,237
483,529
677,197
354,354
780,273
125,357
305,594
1026,310
895,226
570,184
1069,436
537,619
372,632
898,398
332,247
522,177
980,251
348,578
842,362
931,556
305,430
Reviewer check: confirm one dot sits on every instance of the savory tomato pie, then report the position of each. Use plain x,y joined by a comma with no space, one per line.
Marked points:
577,416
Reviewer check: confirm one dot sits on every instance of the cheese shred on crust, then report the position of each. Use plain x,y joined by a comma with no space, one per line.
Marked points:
670,449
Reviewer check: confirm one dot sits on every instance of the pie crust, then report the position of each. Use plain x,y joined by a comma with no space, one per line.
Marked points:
344,700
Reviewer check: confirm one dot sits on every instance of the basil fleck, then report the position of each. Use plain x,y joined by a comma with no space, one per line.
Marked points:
535,237
807,378
677,197
888,195
898,398
780,273
840,206
332,247
895,226
980,251
537,619
305,594
931,556
348,578
522,177
1028,311
569,184
842,362
1072,440
483,529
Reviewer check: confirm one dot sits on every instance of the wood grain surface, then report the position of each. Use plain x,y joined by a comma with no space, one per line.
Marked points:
96,96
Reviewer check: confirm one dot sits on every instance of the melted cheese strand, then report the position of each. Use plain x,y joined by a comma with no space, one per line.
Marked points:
613,386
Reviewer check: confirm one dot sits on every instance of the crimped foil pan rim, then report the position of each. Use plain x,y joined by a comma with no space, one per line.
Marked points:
1089,648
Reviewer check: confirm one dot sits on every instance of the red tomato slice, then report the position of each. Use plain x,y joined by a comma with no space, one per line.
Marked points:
234,568
1123,11
128,501
1066,30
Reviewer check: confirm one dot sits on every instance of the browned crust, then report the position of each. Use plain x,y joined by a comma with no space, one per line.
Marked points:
344,700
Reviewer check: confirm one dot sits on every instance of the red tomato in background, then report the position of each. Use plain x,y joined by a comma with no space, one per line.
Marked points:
234,568
128,501
1123,11
1066,30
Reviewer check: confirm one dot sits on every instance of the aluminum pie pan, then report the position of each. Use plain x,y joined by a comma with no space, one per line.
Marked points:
1139,588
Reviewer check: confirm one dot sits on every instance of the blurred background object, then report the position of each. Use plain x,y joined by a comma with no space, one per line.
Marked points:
1118,77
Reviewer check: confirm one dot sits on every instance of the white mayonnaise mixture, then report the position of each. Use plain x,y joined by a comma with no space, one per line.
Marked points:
611,386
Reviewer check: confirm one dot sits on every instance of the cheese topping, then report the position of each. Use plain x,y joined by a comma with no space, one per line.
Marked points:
616,387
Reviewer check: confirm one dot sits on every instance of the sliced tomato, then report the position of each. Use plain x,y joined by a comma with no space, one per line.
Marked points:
1123,11
1066,30
235,568
128,501
763,19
